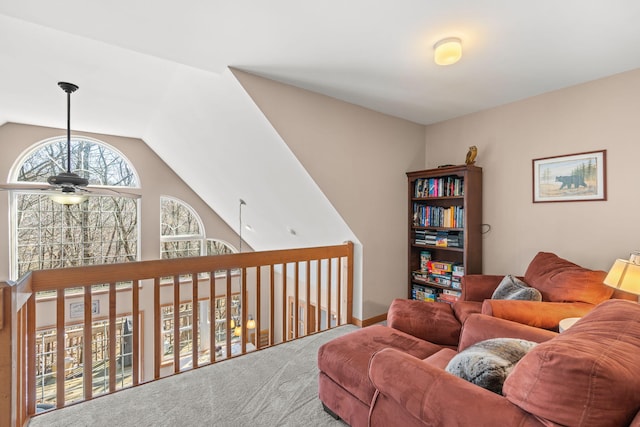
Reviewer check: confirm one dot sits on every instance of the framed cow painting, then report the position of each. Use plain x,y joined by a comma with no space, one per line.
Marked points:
570,178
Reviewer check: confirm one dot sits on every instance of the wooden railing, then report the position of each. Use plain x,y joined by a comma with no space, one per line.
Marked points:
290,293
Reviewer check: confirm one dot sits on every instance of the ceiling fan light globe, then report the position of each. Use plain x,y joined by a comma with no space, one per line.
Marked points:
68,198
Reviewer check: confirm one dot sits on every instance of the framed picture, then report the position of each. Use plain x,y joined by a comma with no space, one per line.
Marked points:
76,309
570,178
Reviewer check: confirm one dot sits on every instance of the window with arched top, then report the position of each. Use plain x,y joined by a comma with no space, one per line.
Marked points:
99,230
100,163
219,247
181,230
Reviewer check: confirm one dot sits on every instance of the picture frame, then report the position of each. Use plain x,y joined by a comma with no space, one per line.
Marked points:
76,309
570,177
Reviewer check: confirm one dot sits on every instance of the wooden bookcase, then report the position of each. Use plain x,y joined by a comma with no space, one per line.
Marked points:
445,208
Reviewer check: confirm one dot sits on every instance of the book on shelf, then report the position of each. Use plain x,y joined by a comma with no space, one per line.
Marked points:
423,293
442,265
457,270
425,257
438,216
442,297
420,275
446,186
439,280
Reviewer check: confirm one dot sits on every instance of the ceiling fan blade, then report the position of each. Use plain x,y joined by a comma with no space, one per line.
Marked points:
31,186
88,190
112,192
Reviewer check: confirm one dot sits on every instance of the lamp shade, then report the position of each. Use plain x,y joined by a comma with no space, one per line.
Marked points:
624,275
251,324
447,51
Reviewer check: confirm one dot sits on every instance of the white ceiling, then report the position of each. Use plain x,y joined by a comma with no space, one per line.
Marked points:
158,70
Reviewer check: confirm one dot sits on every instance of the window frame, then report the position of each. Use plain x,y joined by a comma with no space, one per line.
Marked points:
201,237
14,173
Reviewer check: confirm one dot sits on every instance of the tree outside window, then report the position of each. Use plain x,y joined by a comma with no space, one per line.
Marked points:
100,230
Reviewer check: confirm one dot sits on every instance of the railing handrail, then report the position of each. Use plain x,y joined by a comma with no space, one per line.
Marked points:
53,279
18,309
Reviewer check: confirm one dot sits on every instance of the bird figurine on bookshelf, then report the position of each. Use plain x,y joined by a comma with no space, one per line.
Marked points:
471,155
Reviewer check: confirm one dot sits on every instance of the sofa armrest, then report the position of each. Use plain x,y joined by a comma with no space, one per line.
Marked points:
478,287
432,394
480,327
429,321
541,314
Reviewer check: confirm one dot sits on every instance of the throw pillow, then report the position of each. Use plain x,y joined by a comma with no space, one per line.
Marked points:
513,288
560,280
487,363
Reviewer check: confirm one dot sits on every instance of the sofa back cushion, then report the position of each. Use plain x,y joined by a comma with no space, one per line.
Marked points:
586,375
559,280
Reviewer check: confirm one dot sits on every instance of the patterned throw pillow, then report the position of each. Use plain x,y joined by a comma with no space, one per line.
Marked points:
513,288
488,363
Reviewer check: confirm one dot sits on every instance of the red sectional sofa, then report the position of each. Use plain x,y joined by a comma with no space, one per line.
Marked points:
432,333
585,376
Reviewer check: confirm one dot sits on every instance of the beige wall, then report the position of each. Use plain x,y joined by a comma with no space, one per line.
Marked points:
598,115
156,179
358,158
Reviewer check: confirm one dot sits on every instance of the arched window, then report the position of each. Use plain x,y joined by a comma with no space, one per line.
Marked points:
100,230
181,230
219,247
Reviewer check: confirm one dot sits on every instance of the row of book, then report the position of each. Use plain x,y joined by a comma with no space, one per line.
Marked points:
440,238
438,216
447,276
448,186
426,293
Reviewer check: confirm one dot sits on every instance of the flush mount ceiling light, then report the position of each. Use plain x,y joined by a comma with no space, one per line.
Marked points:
447,51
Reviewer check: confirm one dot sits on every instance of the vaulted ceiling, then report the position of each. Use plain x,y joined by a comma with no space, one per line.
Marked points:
159,70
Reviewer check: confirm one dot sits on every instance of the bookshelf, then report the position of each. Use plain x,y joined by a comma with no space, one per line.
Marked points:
445,230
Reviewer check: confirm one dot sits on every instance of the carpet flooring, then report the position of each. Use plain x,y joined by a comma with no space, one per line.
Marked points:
277,386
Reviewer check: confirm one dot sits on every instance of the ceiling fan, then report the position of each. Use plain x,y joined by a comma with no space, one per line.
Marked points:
69,188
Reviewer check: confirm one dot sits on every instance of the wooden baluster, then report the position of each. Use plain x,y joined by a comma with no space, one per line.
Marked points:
244,306
258,314
87,351
296,300
318,296
194,320
329,286
135,351
176,324
285,330
31,355
112,338
60,345
228,311
338,291
307,310
349,282
212,317
158,350
272,301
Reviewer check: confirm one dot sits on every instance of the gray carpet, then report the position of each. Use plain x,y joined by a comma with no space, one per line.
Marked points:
277,386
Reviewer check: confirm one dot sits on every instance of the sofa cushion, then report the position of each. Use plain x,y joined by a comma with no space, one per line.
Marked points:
487,363
559,280
512,288
464,309
586,375
345,360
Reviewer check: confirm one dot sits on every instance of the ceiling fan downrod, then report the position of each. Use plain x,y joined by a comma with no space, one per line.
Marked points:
68,178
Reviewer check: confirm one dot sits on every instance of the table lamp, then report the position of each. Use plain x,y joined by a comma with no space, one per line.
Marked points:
624,275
